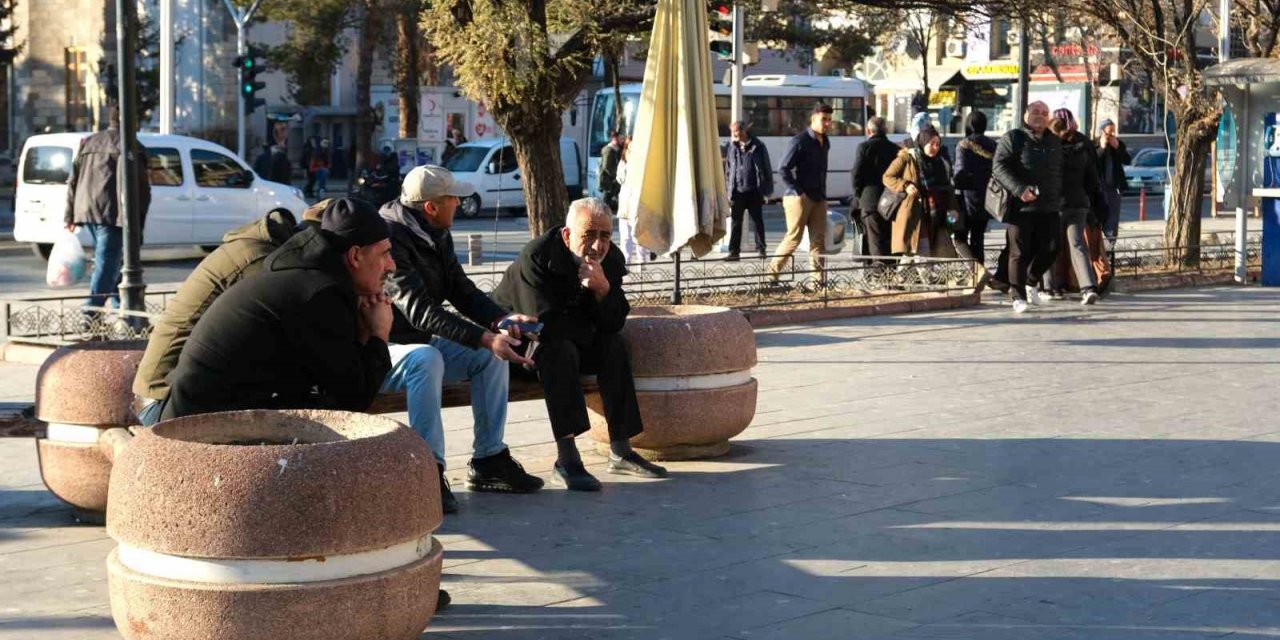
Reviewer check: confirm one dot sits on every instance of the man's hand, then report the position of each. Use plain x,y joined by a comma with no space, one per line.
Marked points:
1113,141
513,330
1028,195
591,273
375,317
503,346
70,226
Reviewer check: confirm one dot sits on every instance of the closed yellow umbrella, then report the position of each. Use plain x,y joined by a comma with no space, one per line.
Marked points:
674,188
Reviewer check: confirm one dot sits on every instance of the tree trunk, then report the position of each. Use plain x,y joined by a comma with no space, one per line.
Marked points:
537,146
1182,230
364,77
408,69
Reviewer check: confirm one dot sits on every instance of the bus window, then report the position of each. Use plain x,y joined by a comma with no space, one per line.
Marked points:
603,120
848,116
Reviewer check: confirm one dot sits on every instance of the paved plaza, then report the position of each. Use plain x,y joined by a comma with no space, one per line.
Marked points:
1088,473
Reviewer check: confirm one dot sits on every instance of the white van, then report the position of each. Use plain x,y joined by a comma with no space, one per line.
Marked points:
199,191
490,165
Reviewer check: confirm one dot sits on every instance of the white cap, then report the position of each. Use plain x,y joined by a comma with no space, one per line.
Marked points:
432,181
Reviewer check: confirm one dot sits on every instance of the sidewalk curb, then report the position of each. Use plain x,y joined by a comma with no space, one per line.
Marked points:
24,353
771,317
1138,284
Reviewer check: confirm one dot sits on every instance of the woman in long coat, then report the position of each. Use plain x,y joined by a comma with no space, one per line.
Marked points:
922,225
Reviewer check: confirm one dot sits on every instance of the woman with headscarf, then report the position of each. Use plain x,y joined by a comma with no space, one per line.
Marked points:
972,173
1079,185
922,225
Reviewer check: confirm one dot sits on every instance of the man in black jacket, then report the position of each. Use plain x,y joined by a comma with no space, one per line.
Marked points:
309,331
433,345
571,279
873,157
1028,163
1112,157
93,202
804,172
749,176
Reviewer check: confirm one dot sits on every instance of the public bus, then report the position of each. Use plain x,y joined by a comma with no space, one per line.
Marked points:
777,106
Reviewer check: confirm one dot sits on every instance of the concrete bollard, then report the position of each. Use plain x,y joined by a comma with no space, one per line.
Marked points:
83,391
692,366
1142,204
278,525
475,249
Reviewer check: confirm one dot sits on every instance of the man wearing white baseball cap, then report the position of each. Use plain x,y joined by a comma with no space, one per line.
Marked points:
432,345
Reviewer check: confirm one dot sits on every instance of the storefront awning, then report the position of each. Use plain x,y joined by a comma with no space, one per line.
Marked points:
1242,71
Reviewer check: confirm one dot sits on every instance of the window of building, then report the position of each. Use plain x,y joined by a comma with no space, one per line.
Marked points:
215,170
164,167
77,103
1000,45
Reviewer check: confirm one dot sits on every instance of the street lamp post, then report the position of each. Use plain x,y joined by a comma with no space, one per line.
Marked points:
132,289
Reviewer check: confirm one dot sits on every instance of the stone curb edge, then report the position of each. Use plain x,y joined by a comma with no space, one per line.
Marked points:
1138,284
773,317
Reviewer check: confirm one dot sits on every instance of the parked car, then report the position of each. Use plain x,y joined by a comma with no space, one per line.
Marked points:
199,191
490,165
1149,169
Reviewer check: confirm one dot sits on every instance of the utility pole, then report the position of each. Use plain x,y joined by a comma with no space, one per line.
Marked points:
739,27
1242,221
132,288
166,66
241,18
1024,70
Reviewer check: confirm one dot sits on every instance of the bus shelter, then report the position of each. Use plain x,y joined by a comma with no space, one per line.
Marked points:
1248,148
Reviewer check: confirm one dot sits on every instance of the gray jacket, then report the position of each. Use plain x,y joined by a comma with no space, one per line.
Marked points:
92,196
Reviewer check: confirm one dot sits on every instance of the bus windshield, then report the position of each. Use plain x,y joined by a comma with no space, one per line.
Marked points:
604,119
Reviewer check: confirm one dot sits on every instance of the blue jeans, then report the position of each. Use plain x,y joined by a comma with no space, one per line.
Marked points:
108,252
322,180
421,370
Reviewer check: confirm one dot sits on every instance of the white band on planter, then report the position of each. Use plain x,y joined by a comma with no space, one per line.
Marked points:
694,383
76,433
273,571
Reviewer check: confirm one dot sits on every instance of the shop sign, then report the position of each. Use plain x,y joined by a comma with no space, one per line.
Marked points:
990,71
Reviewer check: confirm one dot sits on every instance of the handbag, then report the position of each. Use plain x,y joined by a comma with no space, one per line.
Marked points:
889,202
997,201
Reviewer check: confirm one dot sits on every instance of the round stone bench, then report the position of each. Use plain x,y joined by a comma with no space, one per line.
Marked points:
692,367
275,525
82,391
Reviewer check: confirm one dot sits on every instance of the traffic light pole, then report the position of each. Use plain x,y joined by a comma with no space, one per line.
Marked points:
739,29
241,19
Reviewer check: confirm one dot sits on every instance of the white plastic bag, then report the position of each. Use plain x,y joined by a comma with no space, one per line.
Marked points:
66,262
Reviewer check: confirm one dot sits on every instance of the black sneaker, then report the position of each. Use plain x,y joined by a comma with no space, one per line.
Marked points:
733,257
633,464
448,503
576,479
500,473
442,600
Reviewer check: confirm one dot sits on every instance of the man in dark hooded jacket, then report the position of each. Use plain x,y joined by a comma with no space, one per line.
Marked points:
972,173
241,255
309,331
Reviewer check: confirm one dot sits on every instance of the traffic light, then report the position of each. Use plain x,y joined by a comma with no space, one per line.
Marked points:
249,66
720,21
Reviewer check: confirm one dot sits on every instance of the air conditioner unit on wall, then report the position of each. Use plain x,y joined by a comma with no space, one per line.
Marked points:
1014,37
956,48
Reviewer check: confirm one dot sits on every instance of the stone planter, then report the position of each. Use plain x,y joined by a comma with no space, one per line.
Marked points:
274,525
83,390
692,366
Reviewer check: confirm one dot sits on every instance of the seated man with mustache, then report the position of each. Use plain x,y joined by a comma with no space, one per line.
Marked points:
570,278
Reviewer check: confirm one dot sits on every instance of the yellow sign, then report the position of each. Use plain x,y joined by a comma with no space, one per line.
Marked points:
942,98
990,71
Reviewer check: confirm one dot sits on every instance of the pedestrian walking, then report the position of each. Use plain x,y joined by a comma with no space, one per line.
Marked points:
308,150
93,202
1028,164
922,224
804,172
872,159
973,171
607,180
749,176
321,159
1112,157
1079,184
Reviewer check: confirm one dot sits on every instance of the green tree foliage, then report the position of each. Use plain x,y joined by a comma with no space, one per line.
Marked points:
314,47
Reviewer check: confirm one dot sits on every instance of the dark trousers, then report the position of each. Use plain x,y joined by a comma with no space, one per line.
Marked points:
752,203
975,230
1033,246
878,232
560,365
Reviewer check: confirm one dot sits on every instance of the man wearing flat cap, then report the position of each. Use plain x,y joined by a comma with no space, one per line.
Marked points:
433,344
309,330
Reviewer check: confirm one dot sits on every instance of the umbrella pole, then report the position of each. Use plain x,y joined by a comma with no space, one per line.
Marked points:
675,291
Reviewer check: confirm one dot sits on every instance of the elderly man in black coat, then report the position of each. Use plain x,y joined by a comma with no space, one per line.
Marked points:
570,278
